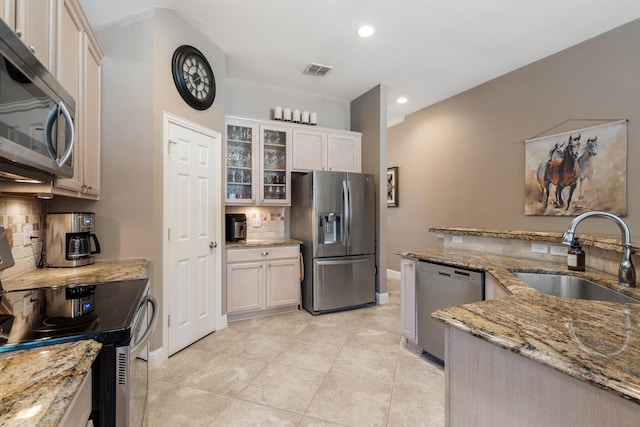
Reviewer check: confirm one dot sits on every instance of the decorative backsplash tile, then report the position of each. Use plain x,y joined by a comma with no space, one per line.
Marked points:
15,213
273,221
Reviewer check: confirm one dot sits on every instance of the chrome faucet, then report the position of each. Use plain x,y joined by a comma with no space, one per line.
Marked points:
626,272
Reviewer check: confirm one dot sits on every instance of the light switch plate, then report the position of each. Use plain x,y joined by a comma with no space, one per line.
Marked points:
540,248
558,250
27,230
256,222
456,239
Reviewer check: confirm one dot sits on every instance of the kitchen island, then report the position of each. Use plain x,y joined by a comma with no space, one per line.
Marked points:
533,359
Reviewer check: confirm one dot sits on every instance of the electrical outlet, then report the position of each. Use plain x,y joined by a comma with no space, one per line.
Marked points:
26,233
539,248
256,222
456,239
558,250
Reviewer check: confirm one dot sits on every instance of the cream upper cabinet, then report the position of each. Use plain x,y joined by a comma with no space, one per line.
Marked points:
91,99
79,71
258,161
309,150
344,151
34,23
241,156
332,150
275,165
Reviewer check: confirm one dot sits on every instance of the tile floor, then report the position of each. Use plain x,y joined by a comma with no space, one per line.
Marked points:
340,369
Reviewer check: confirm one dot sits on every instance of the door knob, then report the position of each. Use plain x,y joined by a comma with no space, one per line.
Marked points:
213,245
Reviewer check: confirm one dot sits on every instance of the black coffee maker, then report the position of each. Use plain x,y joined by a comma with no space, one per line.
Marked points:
236,227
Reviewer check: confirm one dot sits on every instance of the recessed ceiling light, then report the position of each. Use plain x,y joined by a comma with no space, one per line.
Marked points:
365,31
402,100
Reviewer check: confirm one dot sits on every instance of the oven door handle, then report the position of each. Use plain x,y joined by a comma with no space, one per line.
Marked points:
148,299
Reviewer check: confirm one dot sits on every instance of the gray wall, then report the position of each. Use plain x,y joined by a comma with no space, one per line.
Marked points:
462,160
137,87
369,116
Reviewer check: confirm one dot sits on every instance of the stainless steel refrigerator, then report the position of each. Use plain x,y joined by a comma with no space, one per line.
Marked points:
333,214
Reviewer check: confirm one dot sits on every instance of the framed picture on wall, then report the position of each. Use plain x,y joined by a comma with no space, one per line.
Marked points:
570,173
392,187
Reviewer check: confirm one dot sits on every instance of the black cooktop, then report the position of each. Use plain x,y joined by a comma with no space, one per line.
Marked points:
102,311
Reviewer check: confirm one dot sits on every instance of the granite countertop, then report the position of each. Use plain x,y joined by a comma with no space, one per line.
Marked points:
99,272
596,342
263,242
50,375
37,385
598,241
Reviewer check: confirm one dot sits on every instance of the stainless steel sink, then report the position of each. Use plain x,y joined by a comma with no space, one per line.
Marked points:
565,286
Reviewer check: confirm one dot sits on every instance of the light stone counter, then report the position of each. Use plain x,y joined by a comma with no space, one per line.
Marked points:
38,385
263,242
596,241
100,272
596,342
49,376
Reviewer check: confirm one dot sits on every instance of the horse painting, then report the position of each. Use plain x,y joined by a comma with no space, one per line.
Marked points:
563,172
585,161
576,171
555,153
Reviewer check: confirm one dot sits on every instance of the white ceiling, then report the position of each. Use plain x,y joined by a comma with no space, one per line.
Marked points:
426,50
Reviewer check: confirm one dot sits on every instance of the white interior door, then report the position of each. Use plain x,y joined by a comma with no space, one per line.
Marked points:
193,212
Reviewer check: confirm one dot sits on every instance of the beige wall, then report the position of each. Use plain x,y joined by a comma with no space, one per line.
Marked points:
462,160
369,116
137,88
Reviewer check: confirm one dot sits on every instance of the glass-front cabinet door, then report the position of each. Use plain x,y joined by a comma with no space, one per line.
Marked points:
241,162
275,171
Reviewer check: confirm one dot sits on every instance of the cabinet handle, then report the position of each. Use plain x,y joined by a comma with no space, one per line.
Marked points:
32,49
18,32
213,245
264,253
269,265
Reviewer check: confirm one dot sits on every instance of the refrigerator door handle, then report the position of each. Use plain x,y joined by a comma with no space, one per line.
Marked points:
347,214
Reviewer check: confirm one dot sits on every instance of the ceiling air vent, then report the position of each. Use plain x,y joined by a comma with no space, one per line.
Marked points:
317,69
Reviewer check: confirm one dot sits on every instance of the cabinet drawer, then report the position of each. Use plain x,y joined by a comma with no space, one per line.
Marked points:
262,253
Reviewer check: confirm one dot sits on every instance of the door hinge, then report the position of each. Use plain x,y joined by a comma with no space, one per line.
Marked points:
168,234
168,320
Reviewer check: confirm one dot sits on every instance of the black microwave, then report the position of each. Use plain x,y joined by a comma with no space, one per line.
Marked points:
36,116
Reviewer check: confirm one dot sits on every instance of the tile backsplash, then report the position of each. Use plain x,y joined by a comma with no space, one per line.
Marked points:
273,221
15,213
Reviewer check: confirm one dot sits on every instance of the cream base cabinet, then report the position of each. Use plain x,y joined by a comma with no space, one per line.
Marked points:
408,312
245,286
487,385
315,149
262,281
493,288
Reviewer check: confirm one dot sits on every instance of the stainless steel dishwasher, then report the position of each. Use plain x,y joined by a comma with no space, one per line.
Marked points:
440,286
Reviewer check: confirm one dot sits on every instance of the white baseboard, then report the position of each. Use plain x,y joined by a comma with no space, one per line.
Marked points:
222,323
382,298
156,358
393,274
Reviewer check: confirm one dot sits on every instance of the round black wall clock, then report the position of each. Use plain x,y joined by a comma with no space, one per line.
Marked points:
193,77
